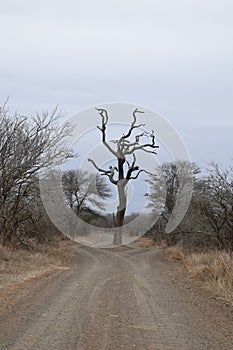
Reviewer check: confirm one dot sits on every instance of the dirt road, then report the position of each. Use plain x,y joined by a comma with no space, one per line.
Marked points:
122,299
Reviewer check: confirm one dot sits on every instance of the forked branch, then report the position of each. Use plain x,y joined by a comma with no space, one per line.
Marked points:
110,173
124,146
133,125
144,147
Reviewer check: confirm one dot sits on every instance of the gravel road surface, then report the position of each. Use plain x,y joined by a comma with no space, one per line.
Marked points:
114,299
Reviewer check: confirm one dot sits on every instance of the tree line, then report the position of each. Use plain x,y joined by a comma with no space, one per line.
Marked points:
209,219
30,146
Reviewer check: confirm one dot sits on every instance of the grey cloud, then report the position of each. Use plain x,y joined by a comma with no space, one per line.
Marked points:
174,56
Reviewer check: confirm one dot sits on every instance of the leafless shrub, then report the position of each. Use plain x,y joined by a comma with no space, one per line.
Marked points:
27,146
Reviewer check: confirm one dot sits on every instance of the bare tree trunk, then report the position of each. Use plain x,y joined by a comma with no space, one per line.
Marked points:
120,215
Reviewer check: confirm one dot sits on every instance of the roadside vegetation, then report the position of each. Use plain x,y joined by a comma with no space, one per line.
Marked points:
203,242
213,268
18,264
30,245
29,242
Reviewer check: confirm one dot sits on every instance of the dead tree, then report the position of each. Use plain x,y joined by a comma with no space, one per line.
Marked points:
125,153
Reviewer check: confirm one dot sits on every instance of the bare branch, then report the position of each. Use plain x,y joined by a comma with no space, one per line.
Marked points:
137,137
130,171
144,146
134,160
104,115
136,176
139,172
133,125
124,145
110,173
148,151
133,168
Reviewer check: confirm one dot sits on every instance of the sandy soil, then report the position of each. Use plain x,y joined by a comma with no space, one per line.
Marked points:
114,299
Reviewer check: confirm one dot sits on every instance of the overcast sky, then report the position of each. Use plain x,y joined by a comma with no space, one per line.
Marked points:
175,57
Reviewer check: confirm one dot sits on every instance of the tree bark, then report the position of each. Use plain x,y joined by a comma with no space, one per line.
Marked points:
120,215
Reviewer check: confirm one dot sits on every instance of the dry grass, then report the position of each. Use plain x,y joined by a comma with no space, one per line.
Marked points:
214,269
145,242
175,254
18,264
